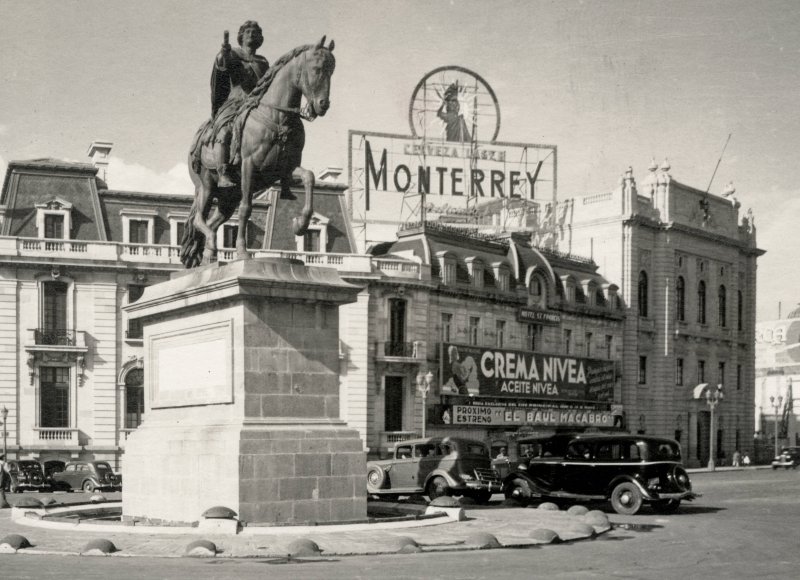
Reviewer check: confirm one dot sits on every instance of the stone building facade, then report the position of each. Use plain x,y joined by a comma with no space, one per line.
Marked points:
685,262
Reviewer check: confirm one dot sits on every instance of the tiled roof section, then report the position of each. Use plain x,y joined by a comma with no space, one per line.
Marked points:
39,181
114,204
328,202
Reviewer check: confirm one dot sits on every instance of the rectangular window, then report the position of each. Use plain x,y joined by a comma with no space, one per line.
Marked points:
397,328
738,379
567,341
679,371
500,332
588,343
180,229
609,346
701,371
135,292
393,408
137,231
311,241
54,316
532,338
447,324
721,374
474,327
54,227
642,370
229,235
54,397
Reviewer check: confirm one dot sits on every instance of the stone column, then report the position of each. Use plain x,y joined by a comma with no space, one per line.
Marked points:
242,398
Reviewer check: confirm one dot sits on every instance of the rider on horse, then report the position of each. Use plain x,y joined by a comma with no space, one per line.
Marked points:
236,71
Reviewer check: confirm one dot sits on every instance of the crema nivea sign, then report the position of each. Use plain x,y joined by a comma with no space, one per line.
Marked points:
492,372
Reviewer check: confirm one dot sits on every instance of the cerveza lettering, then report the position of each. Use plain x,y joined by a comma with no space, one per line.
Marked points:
442,180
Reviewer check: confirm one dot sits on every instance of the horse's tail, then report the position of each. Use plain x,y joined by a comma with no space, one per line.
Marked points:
193,242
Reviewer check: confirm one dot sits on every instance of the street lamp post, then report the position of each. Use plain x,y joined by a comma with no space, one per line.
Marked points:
3,501
713,397
5,433
424,383
776,406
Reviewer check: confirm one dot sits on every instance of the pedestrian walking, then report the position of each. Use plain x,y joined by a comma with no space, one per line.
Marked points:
737,458
4,475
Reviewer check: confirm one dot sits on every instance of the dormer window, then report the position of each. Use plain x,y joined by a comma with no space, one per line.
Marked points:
476,271
503,276
137,225
569,288
227,235
537,290
447,265
316,238
54,219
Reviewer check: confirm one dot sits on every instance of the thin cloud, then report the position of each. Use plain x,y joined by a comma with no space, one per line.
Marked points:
134,177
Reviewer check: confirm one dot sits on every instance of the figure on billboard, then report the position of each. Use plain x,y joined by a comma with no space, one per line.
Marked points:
451,111
464,378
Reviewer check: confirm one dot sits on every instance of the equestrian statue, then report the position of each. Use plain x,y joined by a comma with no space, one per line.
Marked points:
254,137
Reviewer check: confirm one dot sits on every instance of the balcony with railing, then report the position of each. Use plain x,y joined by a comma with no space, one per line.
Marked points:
407,351
56,436
56,339
389,438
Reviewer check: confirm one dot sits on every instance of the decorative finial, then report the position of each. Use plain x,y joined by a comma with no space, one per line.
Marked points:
629,172
653,165
729,190
665,166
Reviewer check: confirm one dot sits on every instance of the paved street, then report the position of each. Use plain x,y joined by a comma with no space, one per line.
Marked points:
743,527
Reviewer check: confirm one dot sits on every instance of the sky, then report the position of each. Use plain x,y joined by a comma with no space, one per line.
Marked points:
611,84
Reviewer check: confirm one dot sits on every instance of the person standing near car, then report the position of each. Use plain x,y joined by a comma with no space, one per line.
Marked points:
737,458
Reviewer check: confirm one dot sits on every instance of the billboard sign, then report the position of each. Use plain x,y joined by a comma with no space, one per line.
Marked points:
493,372
452,157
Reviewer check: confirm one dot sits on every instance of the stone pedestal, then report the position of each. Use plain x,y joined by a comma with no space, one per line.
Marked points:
242,398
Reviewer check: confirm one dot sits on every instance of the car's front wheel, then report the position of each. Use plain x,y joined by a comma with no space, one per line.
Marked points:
376,478
437,487
88,486
518,490
626,499
666,506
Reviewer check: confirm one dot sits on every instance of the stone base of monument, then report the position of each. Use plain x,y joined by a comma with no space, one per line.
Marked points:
242,405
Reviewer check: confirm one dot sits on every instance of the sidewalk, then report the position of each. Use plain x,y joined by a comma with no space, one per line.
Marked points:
510,526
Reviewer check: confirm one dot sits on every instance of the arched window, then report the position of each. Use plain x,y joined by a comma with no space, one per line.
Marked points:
134,398
739,310
680,299
643,293
722,306
701,302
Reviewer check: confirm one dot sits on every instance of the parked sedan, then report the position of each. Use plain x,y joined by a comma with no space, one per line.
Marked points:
629,470
435,466
87,476
26,475
788,458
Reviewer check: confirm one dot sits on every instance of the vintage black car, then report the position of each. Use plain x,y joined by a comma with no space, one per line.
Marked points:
629,470
26,475
87,476
435,466
788,458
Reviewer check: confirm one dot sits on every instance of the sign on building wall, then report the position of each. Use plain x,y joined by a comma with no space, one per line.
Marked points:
468,415
491,372
452,158
536,316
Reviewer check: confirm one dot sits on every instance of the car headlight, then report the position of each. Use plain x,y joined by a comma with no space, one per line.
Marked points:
522,467
466,476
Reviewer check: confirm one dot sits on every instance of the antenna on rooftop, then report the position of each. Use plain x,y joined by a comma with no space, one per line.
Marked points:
718,162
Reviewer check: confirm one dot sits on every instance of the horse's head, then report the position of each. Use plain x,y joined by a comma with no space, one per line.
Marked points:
315,78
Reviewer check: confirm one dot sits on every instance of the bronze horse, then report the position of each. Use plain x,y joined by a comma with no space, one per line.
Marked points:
270,130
